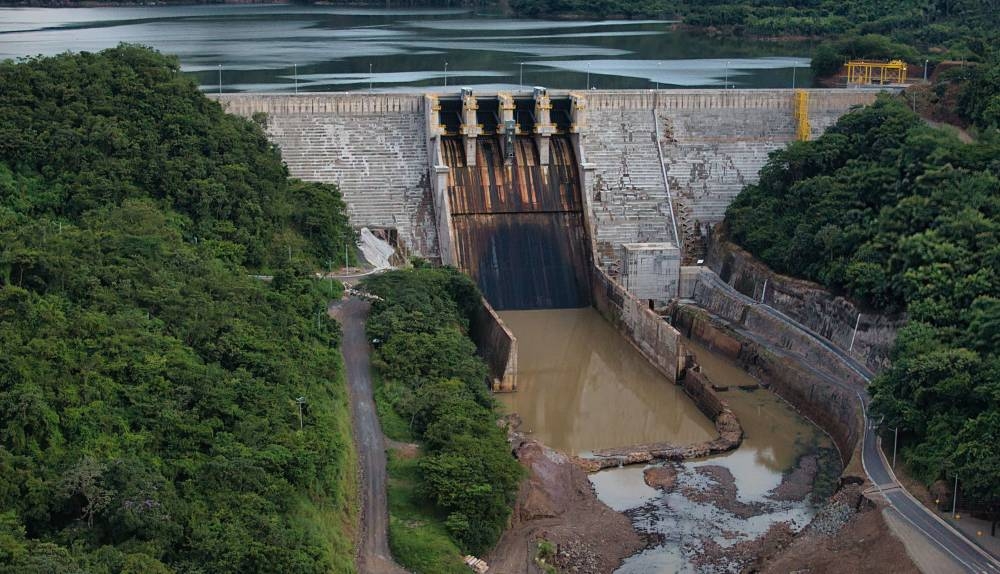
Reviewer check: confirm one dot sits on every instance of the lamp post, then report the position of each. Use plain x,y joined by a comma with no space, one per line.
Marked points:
588,76
446,74
369,77
725,83
954,499
520,79
793,76
925,69
220,79
658,75
295,73
895,441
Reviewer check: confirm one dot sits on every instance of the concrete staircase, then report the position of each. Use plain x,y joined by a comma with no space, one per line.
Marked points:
628,195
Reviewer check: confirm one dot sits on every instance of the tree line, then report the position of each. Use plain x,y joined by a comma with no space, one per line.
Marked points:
903,217
148,385
432,379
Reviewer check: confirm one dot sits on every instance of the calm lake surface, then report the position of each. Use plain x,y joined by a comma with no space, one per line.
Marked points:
324,48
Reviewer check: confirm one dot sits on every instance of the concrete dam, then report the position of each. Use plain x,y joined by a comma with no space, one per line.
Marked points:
536,188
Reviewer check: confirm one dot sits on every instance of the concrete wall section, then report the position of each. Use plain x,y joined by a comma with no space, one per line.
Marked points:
832,317
712,143
653,336
497,345
373,146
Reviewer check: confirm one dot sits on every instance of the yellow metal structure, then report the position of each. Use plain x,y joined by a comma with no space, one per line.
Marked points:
800,111
864,72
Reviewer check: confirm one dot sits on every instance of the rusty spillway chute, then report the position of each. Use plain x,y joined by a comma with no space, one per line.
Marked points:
518,219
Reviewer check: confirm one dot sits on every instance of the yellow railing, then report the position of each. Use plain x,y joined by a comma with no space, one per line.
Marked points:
800,111
865,72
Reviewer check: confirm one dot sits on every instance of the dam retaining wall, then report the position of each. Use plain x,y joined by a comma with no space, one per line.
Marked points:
497,346
832,317
373,146
649,151
696,148
799,368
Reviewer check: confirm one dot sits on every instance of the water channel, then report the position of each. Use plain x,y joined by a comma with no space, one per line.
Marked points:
582,387
326,48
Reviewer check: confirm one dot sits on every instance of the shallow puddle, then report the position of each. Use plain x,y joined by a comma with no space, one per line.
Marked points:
583,387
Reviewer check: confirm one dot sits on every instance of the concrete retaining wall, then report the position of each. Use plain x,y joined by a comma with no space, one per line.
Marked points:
832,317
646,330
497,345
833,406
373,146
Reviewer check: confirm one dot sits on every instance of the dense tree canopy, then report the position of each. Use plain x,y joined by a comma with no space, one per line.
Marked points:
902,216
148,420
434,379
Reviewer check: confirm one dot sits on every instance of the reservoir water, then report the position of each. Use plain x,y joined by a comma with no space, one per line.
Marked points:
325,48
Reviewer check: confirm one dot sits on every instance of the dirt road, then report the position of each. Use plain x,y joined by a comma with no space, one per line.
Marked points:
373,540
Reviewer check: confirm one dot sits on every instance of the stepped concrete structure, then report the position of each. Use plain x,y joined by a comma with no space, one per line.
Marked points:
655,166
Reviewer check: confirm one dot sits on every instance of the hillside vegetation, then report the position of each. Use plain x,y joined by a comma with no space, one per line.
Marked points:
148,421
901,216
433,388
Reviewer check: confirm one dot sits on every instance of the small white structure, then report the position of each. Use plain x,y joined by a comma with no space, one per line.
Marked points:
651,270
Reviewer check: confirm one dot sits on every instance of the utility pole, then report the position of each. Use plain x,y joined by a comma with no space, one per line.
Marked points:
925,69
954,500
295,72
658,64
855,335
895,441
793,76
220,79
301,401
369,77
588,76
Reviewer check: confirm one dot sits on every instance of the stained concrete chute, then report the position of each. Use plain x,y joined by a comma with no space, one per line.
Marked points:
518,228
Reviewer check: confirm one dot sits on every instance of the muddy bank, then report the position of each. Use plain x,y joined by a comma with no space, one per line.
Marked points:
557,504
849,535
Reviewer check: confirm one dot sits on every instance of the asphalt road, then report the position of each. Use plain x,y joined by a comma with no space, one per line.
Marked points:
373,556
967,555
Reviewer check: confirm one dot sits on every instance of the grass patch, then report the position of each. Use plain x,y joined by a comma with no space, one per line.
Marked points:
417,537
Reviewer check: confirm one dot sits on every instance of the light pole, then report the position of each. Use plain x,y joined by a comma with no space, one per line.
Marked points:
725,83
295,68
588,76
520,79
895,441
369,77
954,499
925,69
220,79
300,401
793,76
658,76
446,74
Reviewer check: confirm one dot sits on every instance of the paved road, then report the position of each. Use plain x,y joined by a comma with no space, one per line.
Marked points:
966,553
373,540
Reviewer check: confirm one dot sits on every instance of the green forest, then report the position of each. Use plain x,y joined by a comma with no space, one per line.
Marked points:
904,217
148,384
458,494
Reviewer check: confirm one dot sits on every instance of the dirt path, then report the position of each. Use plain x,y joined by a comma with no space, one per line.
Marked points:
373,541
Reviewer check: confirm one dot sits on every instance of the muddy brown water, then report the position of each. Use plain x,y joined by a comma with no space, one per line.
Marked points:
583,387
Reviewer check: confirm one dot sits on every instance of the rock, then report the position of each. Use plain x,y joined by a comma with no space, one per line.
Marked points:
662,477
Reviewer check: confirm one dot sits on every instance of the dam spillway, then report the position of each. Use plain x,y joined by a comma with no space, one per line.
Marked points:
518,224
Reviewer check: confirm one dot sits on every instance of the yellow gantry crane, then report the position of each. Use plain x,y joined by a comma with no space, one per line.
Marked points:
866,72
